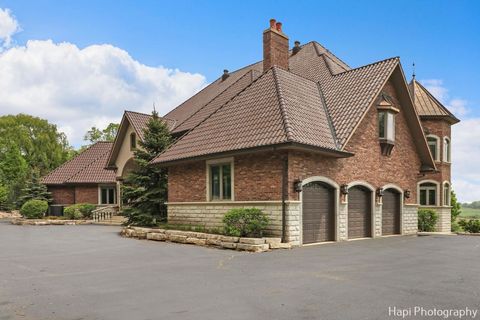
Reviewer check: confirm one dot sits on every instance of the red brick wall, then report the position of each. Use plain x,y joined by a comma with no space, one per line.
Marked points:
275,50
187,182
62,194
86,194
441,129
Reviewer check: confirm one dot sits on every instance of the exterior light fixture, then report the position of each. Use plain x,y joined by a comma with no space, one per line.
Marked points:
297,185
344,189
407,194
380,192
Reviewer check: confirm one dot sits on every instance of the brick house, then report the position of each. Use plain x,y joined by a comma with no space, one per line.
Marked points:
328,152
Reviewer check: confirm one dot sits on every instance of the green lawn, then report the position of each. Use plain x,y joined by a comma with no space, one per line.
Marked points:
469,212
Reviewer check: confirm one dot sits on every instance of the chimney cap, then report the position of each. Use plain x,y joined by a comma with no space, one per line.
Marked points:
272,23
225,74
297,43
279,26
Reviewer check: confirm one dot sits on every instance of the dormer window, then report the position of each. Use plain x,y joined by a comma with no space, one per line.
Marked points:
386,125
133,141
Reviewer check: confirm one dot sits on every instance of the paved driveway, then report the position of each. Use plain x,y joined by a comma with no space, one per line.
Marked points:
89,272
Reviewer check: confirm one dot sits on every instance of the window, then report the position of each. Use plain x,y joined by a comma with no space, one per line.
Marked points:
133,141
428,194
107,195
221,181
386,125
446,194
446,150
433,143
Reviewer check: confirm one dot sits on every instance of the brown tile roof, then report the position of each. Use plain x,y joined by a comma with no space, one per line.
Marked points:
87,167
426,104
279,107
139,121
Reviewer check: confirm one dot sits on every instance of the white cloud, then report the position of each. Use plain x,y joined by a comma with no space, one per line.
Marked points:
457,106
8,27
79,88
465,154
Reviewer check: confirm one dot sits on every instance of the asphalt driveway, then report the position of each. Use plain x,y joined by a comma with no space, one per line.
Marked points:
89,272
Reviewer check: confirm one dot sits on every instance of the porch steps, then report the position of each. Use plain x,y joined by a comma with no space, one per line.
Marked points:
113,221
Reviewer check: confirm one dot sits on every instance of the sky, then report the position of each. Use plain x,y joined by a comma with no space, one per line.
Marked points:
82,63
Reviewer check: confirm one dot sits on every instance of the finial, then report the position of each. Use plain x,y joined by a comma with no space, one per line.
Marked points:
413,74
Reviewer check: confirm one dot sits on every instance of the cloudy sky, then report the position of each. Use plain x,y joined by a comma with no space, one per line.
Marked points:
80,64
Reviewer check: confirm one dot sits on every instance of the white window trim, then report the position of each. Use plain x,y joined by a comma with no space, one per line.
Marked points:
437,158
447,156
437,194
449,202
385,125
115,196
209,163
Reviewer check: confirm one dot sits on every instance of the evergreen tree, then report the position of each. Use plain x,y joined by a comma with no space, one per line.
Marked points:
144,191
456,208
34,190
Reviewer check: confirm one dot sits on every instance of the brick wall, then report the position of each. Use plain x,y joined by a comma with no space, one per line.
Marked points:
86,194
187,182
62,194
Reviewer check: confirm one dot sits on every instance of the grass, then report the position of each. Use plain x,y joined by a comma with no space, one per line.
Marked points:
470,213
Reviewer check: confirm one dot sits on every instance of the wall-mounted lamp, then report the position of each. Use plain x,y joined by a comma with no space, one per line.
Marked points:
297,185
344,189
406,194
380,192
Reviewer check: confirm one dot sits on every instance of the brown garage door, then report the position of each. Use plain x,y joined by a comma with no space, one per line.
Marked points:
391,212
359,212
318,213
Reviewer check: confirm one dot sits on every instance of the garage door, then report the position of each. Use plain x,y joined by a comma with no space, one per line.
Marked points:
359,212
391,212
318,213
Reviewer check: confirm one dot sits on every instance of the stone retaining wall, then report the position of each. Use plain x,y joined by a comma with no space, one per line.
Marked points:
47,222
205,239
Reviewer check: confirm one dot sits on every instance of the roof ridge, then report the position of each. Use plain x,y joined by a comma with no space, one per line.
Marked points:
316,44
435,99
88,165
286,123
367,65
210,115
214,98
71,160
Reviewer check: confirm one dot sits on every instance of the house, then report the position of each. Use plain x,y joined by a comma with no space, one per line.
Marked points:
327,151
84,178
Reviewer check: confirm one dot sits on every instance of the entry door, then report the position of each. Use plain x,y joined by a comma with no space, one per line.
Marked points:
359,212
318,213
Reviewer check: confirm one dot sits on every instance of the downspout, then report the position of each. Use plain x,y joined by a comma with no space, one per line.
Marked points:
284,198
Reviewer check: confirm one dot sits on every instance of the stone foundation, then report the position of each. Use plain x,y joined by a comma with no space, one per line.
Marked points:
410,219
210,215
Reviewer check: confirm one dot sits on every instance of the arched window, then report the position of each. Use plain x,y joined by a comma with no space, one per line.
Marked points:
446,193
434,146
133,141
428,192
446,150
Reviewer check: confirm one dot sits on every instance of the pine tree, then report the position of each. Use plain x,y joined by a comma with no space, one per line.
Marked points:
456,208
34,190
145,189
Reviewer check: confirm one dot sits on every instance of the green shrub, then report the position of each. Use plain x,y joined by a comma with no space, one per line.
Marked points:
4,205
79,211
34,209
427,219
246,222
471,226
456,226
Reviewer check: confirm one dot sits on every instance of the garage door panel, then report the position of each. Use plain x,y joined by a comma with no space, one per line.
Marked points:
318,217
359,212
391,210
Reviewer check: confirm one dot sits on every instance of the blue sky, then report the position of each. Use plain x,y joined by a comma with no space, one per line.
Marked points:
162,52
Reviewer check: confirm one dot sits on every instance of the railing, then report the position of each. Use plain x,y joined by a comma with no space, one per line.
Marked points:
104,213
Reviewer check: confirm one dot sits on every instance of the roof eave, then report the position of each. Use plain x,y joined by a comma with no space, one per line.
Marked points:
450,119
274,147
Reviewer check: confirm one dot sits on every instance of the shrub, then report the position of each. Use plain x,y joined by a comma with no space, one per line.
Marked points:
246,222
427,219
34,209
456,226
4,206
472,225
79,211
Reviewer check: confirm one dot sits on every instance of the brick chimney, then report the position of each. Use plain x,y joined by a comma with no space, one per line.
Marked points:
275,47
